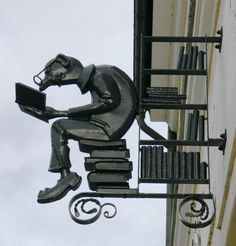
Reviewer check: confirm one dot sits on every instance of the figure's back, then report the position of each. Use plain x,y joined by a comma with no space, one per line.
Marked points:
121,118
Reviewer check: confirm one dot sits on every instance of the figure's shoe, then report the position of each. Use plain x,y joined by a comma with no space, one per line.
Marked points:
71,182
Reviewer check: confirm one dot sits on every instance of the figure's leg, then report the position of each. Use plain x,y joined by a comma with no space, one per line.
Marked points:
59,151
64,129
61,131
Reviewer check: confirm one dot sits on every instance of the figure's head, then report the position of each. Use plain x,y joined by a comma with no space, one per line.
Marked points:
61,70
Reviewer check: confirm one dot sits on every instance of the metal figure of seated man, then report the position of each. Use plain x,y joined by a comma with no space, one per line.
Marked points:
108,117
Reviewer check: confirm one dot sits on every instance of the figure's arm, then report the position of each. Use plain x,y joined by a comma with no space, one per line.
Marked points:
47,114
108,98
103,104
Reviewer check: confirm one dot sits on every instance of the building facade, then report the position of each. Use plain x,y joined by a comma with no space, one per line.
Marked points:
196,18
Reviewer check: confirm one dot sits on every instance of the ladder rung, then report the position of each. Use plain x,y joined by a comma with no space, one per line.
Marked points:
173,72
182,39
173,106
174,181
134,193
173,142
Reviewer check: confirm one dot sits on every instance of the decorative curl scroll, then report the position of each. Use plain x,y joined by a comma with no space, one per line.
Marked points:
197,213
80,207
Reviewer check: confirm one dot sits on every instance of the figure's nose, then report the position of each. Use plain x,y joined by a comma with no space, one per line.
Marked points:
45,83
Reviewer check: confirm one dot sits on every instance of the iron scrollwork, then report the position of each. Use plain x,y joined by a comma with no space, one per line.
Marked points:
89,207
197,215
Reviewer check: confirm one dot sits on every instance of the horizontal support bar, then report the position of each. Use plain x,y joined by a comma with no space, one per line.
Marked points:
174,72
172,106
182,39
174,181
115,193
211,142
216,141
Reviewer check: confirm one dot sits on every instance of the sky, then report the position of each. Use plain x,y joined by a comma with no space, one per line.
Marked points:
32,33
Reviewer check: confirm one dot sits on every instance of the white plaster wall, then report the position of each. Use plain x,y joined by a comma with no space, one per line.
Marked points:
168,20
222,110
222,102
222,115
196,92
162,26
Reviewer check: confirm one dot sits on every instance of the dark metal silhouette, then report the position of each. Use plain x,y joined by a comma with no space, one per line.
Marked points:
107,118
99,126
193,207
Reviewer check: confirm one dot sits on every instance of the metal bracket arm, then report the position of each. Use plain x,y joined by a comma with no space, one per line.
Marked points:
78,205
220,142
149,131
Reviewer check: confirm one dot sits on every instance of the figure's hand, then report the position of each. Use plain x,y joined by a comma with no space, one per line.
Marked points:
51,113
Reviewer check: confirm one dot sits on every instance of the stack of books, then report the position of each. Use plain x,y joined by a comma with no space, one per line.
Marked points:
165,95
172,165
108,165
196,126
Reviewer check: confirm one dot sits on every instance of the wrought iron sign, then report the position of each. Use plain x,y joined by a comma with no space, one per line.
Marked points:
99,127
